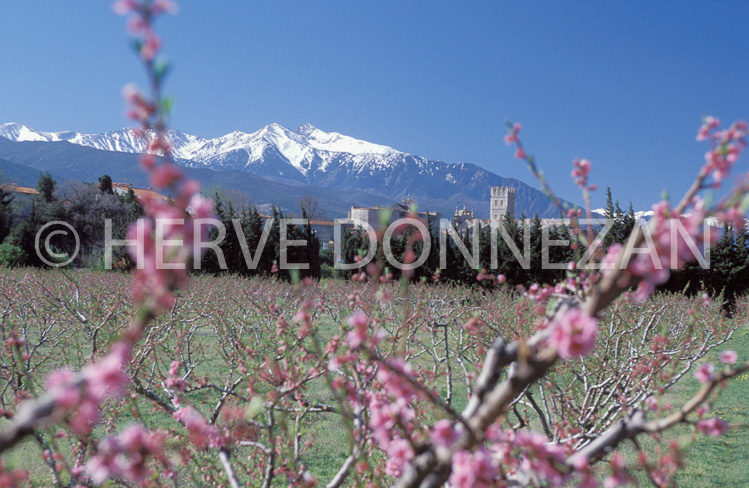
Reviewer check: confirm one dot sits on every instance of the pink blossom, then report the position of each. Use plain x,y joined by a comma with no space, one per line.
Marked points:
652,403
104,465
106,378
580,172
201,432
359,322
385,414
174,368
60,384
127,455
443,433
462,475
702,410
124,7
471,470
334,363
726,147
399,453
137,25
673,241
165,175
705,372
395,384
541,457
728,357
714,426
608,264
85,417
512,136
150,46
573,334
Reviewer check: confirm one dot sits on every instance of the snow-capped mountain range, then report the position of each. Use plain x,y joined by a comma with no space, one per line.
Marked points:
644,216
305,156
306,149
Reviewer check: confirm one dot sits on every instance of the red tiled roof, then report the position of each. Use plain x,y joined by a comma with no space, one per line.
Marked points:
14,188
144,193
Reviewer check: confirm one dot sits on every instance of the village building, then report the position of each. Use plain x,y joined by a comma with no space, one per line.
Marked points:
502,201
374,215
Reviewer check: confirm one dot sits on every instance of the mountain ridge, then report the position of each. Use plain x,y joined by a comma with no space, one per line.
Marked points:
307,156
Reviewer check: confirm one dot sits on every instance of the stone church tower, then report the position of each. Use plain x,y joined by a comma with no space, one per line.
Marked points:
502,201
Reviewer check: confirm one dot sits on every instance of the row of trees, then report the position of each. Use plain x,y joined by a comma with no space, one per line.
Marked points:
86,206
261,255
728,273
512,234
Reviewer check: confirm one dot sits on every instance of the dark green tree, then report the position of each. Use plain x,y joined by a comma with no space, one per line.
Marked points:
6,212
105,184
46,187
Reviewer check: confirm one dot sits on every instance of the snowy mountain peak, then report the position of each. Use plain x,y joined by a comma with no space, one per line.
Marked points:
335,142
308,149
21,133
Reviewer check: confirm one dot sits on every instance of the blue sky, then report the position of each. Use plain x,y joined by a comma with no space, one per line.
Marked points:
621,83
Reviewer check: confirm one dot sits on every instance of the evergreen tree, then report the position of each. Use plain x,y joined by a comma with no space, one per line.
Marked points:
46,187
535,274
6,212
210,262
105,184
510,266
313,248
611,213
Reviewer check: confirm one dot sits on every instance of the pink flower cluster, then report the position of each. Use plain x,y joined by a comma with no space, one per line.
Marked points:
359,324
728,357
508,452
580,173
705,373
399,452
713,426
139,24
512,137
165,241
536,455
127,456
676,239
473,469
391,408
12,479
444,434
101,380
173,381
573,334
202,433
726,147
